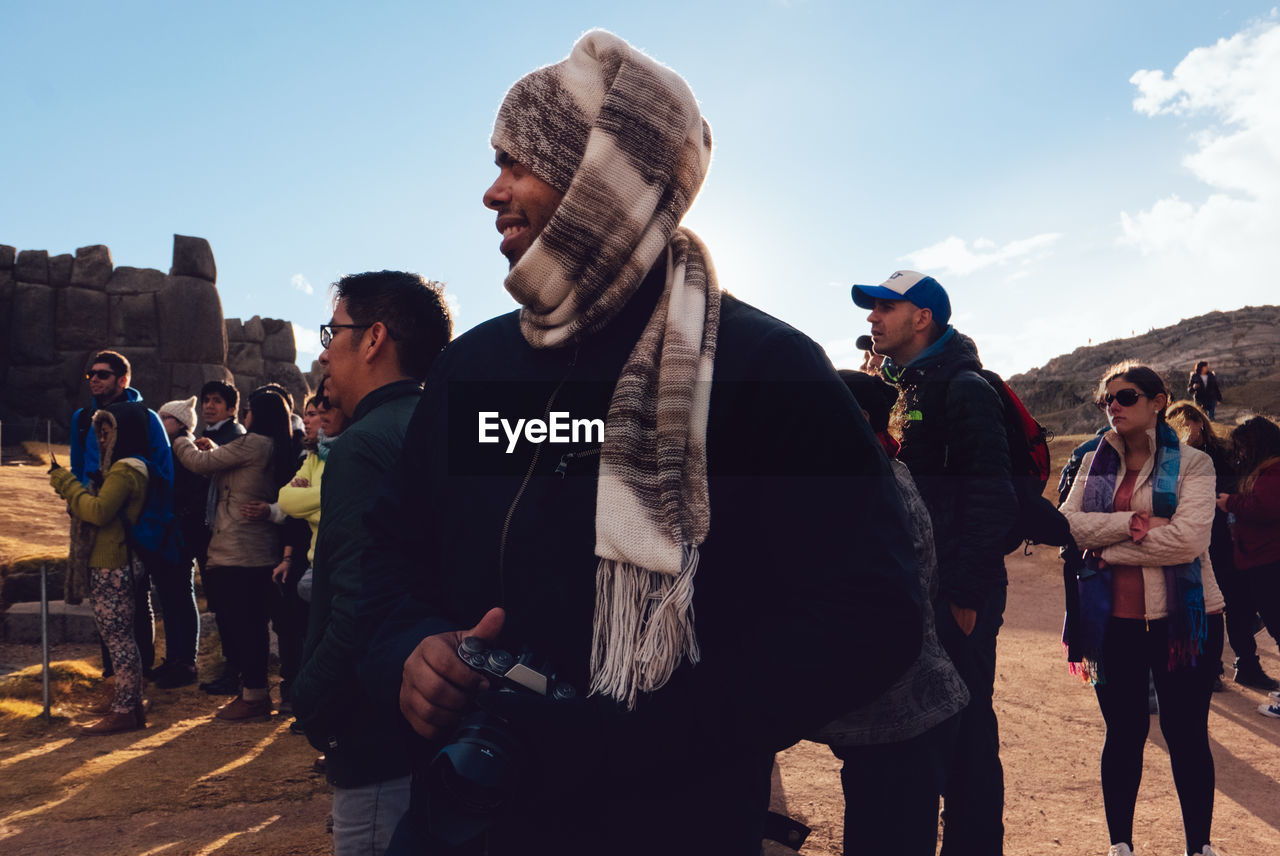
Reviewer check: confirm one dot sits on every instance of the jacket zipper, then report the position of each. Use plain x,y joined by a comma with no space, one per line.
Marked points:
533,463
562,468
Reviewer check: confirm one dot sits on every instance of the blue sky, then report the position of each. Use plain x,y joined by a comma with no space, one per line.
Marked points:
1069,172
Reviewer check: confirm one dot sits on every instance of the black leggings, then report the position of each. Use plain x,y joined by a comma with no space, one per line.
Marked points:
1133,648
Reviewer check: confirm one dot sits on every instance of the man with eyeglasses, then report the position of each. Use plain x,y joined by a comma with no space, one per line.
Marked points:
386,331
156,534
954,444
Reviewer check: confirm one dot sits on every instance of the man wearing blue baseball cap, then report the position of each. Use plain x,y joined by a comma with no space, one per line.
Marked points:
953,441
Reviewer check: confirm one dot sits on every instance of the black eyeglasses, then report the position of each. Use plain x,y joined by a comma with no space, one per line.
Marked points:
326,331
100,374
1126,397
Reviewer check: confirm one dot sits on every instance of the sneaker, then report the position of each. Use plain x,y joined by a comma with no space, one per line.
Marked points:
1206,851
1120,850
1274,695
1272,710
1257,679
239,710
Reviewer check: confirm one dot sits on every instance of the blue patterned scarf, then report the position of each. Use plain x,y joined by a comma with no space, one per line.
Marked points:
1183,591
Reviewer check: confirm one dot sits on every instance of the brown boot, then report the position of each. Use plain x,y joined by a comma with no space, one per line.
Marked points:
115,722
239,710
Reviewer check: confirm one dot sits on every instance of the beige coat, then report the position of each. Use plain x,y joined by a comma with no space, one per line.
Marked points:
1185,538
242,473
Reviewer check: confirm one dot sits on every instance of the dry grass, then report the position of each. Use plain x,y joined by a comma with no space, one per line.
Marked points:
22,693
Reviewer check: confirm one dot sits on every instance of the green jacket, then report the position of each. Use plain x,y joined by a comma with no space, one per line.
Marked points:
123,489
362,746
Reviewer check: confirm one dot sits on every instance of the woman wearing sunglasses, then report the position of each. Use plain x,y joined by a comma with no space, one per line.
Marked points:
1149,602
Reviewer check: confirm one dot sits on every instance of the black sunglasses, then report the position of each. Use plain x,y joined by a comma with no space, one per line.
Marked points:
326,331
1126,397
100,374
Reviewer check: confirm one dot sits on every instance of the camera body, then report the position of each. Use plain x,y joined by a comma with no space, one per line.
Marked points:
508,673
485,764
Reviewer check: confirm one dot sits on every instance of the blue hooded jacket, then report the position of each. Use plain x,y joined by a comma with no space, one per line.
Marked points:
155,530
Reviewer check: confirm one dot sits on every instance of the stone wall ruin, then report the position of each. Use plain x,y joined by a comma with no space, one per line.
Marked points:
56,311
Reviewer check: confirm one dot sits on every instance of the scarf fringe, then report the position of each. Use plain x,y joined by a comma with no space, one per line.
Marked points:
643,627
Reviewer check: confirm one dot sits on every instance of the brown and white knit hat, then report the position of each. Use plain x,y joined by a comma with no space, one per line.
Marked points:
184,410
621,136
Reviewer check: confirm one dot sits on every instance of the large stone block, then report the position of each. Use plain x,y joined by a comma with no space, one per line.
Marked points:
93,266
235,330
32,266
290,377
191,329
82,318
31,325
131,280
193,257
186,379
149,374
245,358
278,343
245,385
133,320
254,331
60,269
8,255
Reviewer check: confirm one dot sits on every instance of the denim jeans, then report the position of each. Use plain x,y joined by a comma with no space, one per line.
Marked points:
365,817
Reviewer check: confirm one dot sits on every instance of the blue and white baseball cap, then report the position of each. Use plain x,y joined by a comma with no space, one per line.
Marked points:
924,291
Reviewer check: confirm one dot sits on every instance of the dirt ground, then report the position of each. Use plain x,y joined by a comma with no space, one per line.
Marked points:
190,784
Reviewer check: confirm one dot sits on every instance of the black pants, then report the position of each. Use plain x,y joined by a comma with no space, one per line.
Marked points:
974,795
144,627
1132,649
1251,592
891,792
175,586
289,621
243,604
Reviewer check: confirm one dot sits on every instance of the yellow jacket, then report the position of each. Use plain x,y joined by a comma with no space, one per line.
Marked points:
304,502
123,490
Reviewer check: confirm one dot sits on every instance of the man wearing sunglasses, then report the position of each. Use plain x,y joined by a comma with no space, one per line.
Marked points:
954,443
156,533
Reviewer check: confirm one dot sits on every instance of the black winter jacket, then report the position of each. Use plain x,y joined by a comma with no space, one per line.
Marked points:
363,744
954,443
805,592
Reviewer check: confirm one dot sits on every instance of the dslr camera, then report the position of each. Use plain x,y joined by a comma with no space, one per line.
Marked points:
485,764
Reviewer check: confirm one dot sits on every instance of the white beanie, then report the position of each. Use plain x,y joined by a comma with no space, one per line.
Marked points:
183,411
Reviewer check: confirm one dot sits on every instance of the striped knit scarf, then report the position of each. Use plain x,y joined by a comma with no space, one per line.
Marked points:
622,138
1183,591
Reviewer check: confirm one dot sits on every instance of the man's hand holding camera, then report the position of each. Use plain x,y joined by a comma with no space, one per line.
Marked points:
436,687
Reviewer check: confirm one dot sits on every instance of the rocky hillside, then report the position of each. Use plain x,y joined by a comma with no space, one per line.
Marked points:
1242,347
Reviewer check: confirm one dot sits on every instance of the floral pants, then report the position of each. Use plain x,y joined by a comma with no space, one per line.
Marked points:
111,592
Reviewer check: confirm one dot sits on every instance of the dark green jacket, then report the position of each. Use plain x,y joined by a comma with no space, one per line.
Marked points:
362,746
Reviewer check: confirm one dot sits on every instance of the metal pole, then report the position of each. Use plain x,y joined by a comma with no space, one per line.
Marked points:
44,593
44,631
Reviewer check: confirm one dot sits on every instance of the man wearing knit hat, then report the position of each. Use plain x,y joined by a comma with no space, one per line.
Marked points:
731,469
954,444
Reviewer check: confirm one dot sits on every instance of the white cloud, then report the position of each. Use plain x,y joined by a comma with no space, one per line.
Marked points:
300,282
1230,235
955,256
306,339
